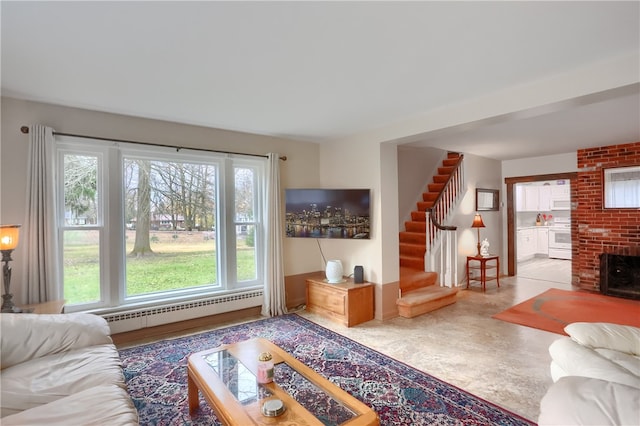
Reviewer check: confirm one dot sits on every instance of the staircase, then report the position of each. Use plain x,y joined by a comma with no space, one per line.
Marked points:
419,293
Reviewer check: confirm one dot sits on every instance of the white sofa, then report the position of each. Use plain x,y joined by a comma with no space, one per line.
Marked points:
596,374
61,370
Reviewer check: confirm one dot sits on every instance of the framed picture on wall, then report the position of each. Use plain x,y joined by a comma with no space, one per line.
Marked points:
487,199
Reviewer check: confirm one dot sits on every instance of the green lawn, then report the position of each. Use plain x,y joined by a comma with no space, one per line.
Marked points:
177,263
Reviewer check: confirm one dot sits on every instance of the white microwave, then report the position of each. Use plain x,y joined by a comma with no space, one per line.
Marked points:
560,204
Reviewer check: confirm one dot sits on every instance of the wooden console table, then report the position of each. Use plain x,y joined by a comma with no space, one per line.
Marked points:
479,263
347,303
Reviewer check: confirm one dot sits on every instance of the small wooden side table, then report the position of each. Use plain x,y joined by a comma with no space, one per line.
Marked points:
347,303
51,307
480,263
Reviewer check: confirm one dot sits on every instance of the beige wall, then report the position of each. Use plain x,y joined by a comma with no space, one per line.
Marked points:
353,165
300,170
548,164
360,163
418,166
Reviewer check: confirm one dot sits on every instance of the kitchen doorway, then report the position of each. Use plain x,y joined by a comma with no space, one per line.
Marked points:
514,222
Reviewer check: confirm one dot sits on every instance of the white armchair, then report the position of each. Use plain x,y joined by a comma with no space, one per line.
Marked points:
596,374
61,369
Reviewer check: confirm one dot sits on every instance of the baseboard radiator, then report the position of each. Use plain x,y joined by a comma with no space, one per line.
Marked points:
166,314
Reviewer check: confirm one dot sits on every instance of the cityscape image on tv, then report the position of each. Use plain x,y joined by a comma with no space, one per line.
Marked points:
327,213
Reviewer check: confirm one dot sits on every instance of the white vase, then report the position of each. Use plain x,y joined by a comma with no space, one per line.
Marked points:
334,271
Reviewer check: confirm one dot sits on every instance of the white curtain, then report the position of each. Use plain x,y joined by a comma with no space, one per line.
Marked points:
274,293
622,187
41,265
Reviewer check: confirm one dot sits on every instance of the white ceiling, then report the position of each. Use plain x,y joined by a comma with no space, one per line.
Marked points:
323,71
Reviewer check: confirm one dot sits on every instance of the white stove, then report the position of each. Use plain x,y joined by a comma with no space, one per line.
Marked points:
560,238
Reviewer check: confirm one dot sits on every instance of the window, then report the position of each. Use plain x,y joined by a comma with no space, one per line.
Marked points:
142,225
622,187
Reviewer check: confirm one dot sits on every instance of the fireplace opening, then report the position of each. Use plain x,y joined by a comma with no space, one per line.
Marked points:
620,275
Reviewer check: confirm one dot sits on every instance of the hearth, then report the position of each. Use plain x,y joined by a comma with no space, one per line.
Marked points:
620,275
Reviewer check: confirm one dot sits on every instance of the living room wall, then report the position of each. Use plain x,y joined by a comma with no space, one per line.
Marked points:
600,230
300,170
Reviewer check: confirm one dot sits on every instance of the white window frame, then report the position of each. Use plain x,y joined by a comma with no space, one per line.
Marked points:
258,203
112,224
621,187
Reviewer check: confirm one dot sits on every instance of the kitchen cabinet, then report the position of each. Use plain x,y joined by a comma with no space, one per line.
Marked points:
542,240
532,241
561,197
531,198
561,192
544,198
519,198
527,243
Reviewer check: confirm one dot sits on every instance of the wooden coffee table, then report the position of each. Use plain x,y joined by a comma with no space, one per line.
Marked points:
226,376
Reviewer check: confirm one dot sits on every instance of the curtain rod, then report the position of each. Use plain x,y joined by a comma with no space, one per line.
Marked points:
25,130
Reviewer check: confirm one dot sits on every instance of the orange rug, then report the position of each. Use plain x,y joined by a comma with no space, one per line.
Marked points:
554,309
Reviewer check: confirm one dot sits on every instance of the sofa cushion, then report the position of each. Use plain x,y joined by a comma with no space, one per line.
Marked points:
621,338
99,405
629,362
28,336
46,379
573,359
586,401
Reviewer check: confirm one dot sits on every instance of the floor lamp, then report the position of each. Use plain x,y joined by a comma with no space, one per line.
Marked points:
478,223
9,235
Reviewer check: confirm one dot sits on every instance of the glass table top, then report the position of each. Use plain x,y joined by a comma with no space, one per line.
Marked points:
244,386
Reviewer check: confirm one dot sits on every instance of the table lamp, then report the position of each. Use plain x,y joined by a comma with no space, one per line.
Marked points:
9,235
478,223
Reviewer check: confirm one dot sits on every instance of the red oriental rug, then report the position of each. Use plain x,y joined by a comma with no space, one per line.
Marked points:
554,309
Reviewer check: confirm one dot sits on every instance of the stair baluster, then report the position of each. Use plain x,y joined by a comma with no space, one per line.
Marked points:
441,241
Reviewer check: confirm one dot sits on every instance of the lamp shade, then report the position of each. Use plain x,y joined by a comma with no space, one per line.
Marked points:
477,221
9,235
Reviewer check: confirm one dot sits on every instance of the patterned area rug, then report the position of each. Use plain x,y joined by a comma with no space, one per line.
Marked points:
401,395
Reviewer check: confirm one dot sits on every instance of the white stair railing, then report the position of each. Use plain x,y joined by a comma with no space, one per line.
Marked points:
442,241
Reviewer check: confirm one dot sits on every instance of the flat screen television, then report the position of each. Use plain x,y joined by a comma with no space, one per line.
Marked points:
328,213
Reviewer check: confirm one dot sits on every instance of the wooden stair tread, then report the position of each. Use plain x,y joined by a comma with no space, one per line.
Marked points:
415,279
450,162
413,250
429,196
428,299
417,216
413,245
415,227
421,258
423,206
412,237
411,262
425,294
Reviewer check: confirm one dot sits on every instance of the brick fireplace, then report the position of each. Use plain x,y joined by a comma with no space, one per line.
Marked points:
600,231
